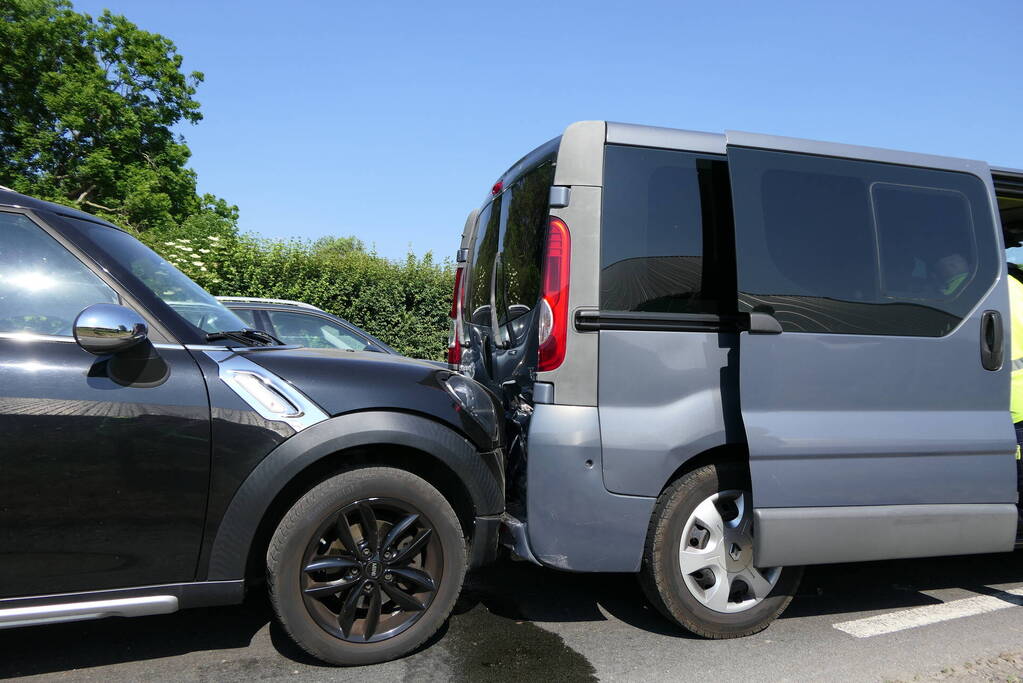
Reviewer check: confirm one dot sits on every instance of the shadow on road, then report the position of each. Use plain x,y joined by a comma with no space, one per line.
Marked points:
491,626
542,595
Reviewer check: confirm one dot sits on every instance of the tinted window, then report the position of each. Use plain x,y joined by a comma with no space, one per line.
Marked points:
487,233
1011,210
925,242
43,287
664,213
314,332
523,232
853,247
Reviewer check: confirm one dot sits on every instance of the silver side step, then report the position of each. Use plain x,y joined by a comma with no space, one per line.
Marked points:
94,609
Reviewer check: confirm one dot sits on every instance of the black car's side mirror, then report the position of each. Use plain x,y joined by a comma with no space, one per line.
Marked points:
109,328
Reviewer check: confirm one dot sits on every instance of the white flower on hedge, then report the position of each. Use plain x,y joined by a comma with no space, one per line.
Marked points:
196,263
205,251
214,238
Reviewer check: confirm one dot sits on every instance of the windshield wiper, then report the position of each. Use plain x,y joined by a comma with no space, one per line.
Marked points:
247,337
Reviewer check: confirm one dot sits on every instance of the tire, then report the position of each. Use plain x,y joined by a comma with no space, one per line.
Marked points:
691,598
310,556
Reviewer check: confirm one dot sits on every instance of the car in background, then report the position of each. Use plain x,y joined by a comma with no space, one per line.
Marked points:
302,324
296,322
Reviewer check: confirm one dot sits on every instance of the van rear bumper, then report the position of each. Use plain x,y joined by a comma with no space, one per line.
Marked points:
574,522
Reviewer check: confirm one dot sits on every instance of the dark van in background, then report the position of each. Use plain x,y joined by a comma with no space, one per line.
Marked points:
723,357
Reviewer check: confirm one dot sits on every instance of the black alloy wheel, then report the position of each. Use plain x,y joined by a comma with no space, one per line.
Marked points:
366,565
372,570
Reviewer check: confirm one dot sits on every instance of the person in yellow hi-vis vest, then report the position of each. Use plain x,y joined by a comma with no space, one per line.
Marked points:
1016,391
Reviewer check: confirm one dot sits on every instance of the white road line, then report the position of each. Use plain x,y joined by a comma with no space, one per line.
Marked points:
931,614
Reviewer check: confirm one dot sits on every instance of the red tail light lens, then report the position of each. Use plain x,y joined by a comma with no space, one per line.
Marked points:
454,345
554,301
454,339
455,294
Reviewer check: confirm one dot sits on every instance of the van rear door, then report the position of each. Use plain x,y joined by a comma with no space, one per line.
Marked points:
874,380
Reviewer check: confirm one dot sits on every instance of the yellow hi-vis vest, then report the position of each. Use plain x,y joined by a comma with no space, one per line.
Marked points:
1016,331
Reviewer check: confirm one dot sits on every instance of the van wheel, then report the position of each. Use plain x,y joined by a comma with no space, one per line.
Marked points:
366,566
698,565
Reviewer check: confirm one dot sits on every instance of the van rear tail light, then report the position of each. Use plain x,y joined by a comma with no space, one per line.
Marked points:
454,338
453,313
554,301
454,346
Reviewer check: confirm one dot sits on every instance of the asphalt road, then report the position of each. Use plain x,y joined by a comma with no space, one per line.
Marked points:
950,617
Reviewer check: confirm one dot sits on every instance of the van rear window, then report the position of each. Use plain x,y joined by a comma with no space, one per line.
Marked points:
522,242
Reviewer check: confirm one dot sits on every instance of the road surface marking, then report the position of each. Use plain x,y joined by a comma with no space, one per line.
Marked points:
931,614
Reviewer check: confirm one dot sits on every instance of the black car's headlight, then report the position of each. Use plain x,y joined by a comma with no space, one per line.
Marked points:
475,400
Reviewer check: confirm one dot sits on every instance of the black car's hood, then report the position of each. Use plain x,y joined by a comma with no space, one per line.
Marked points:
347,381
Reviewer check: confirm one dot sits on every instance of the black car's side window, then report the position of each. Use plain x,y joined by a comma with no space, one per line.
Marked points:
43,287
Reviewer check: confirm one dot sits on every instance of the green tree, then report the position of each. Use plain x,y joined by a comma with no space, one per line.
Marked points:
87,109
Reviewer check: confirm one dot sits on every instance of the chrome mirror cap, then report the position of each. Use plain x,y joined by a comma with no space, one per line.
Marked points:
108,328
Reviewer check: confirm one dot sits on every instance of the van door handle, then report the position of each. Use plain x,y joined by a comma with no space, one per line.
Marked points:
992,340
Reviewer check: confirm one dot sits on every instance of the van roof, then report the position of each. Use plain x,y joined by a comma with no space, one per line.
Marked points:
700,141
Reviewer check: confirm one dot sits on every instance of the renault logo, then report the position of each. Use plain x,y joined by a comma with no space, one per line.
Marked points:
735,551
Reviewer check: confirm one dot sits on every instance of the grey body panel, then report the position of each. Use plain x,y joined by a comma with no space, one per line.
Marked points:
575,382
580,166
664,398
858,420
664,138
469,229
581,154
835,149
575,523
823,535
873,423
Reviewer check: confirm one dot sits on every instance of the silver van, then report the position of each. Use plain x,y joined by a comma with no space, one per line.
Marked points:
724,357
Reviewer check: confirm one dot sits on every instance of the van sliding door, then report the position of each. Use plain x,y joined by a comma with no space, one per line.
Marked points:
874,402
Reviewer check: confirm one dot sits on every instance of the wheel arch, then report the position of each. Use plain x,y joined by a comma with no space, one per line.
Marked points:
471,481
728,452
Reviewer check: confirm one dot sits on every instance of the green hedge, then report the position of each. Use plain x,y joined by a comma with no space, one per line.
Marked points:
404,303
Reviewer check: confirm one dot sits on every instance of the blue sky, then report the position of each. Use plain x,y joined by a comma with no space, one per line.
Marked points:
390,120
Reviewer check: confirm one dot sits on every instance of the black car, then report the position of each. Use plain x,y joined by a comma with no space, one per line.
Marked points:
160,454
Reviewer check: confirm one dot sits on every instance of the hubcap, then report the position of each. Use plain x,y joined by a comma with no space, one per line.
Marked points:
716,555
371,570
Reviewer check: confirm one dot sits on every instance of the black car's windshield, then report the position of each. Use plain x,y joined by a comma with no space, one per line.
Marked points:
188,299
